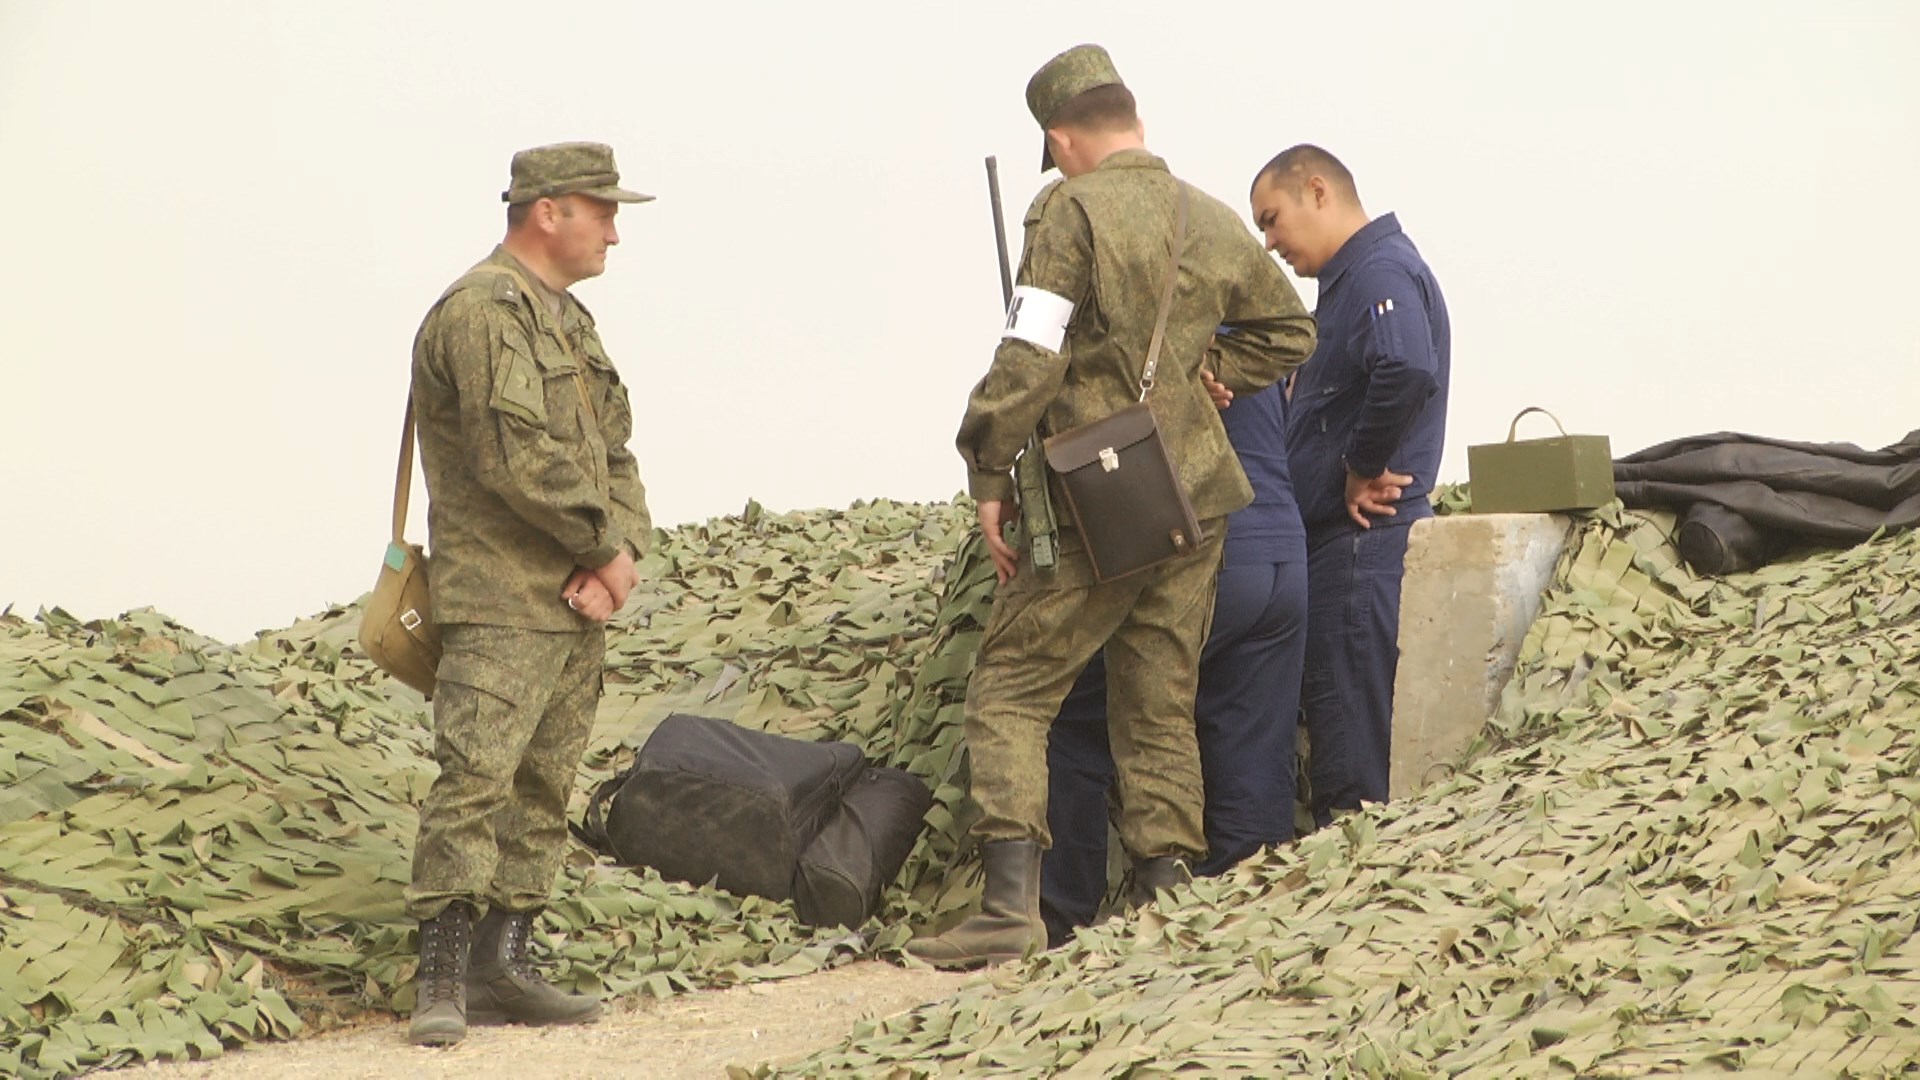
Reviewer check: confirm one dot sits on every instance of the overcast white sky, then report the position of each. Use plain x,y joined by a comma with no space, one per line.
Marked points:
227,219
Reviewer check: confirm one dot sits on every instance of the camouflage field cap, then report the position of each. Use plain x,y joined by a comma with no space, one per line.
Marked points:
572,168
1060,80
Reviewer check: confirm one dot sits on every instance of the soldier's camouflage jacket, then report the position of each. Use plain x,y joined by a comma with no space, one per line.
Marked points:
1100,241
524,450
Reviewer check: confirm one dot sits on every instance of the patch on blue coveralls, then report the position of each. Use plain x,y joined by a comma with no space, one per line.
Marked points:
1383,307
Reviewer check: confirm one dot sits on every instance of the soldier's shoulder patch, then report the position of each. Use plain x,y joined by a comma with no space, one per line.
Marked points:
480,286
1039,204
501,301
505,289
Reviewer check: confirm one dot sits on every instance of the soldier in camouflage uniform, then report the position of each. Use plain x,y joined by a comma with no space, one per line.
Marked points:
1076,342
536,518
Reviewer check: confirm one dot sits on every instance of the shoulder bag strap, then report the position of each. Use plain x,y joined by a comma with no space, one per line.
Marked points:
1166,291
403,476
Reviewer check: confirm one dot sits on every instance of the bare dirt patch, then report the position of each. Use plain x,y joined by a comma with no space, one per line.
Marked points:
696,1035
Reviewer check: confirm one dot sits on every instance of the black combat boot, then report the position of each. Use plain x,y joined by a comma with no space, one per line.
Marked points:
504,988
1151,877
1009,925
439,985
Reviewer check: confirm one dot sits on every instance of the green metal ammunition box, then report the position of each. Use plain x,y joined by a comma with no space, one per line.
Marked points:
1570,472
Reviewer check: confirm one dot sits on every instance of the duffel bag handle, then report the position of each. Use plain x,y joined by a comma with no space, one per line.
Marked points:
1515,426
593,832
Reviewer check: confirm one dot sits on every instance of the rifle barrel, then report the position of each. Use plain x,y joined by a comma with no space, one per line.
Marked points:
999,230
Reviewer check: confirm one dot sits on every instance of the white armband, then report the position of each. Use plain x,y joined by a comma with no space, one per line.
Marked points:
1039,317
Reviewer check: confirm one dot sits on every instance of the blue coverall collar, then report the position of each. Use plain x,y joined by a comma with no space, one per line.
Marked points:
1371,233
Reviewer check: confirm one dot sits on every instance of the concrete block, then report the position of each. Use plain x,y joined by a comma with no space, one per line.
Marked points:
1472,587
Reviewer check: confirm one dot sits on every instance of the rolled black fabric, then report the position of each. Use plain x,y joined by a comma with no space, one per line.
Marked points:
1786,492
1715,540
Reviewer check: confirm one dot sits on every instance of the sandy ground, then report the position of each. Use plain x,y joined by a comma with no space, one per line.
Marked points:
695,1035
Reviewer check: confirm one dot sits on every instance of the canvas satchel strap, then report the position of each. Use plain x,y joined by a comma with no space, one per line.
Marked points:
403,476
1166,290
579,377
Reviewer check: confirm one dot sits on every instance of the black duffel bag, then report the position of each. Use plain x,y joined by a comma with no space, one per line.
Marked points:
755,813
843,872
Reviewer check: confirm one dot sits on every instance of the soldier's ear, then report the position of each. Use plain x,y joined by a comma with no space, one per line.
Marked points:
1061,142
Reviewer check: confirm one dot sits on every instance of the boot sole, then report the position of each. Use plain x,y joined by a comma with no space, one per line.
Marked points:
499,1019
435,1038
970,963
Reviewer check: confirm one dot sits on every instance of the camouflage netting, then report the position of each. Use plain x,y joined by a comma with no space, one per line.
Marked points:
1685,844
202,845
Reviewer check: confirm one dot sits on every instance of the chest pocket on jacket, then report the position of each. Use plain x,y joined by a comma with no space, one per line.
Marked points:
603,382
565,388
1339,369
542,390
519,385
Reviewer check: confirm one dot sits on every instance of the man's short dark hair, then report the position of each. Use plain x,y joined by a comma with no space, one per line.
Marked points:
1291,167
518,212
1102,109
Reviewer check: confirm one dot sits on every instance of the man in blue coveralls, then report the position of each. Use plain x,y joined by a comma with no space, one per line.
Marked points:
1366,420
1248,701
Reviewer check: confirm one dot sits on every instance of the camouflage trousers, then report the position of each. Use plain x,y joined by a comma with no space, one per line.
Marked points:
1042,633
511,718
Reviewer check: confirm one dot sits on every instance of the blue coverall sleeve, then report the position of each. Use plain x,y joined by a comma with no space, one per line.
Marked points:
1400,362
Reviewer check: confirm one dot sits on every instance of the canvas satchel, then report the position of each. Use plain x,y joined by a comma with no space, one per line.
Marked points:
1122,486
396,626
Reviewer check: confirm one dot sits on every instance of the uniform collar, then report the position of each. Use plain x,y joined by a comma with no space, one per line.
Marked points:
1131,158
1370,234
